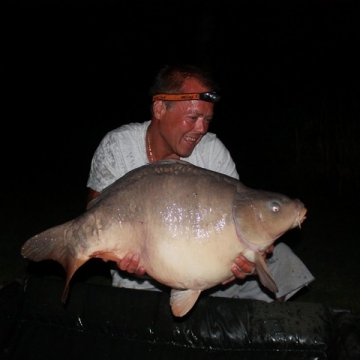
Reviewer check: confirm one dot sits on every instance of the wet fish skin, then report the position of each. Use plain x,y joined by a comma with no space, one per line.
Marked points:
188,224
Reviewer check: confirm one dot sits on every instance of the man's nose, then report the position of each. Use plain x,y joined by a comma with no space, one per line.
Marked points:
201,125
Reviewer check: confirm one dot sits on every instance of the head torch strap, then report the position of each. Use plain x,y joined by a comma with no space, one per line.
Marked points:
206,96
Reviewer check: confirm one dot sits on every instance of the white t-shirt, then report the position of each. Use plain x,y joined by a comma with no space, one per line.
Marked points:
124,149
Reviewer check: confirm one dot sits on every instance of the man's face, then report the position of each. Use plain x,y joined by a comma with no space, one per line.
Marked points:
183,125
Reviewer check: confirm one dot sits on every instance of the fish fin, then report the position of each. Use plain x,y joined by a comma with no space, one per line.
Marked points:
51,245
70,267
264,274
105,256
181,301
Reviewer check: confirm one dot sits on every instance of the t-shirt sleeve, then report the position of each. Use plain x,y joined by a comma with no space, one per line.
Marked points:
218,157
120,151
104,170
223,160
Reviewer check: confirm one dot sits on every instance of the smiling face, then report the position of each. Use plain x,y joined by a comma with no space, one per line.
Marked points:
181,126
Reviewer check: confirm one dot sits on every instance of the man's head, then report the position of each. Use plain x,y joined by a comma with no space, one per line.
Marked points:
171,80
181,124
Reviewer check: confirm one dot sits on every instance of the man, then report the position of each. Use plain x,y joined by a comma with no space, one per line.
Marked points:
183,99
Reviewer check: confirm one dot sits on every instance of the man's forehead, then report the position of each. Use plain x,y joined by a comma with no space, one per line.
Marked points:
194,107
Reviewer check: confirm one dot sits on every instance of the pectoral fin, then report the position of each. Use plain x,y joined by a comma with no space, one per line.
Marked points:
105,256
263,272
71,265
181,301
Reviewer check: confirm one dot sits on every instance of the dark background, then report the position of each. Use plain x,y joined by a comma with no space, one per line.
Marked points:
289,71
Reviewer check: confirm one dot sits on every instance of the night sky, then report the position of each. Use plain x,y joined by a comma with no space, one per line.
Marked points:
289,73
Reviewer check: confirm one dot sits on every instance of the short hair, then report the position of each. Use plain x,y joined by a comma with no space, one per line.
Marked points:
170,79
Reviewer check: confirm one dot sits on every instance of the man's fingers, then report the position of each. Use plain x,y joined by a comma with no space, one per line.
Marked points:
270,249
129,263
244,266
141,271
238,273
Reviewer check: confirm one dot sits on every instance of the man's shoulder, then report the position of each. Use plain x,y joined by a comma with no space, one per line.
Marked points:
134,128
209,136
209,139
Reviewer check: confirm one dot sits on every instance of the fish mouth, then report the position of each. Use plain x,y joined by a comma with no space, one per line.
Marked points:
301,216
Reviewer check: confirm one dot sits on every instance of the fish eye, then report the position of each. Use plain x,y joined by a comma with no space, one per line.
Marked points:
275,207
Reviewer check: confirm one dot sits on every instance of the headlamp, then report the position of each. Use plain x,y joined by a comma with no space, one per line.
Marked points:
212,97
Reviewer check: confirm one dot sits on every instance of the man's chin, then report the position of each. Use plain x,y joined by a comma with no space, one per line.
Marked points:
187,151
186,154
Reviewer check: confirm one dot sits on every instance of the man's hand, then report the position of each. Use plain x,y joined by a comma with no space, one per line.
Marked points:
130,263
244,267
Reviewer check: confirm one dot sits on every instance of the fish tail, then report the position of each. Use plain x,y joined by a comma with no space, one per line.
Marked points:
52,244
48,245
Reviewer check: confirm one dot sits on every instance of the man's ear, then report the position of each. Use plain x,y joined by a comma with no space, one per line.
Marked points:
159,108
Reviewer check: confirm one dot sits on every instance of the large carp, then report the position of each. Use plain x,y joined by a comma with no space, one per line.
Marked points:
188,224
